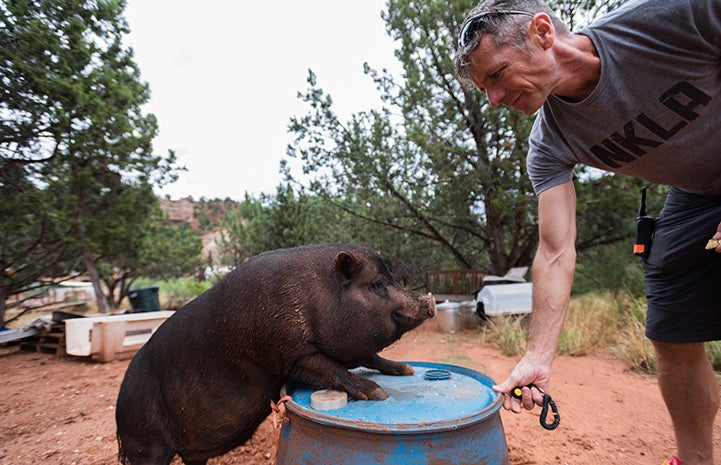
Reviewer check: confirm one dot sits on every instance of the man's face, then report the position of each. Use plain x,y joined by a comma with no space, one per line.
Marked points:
518,79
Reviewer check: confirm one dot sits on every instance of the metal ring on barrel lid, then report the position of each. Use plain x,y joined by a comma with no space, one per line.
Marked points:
437,374
440,414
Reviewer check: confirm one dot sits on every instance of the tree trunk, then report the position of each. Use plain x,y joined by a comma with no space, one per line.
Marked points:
2,307
92,270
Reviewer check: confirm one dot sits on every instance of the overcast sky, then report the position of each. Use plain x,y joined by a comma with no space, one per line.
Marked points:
224,77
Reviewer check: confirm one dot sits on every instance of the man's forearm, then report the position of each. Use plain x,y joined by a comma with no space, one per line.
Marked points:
552,281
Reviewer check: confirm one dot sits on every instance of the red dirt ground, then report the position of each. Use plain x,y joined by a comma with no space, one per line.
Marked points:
60,410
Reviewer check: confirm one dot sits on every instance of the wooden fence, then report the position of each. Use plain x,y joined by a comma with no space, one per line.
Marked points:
456,282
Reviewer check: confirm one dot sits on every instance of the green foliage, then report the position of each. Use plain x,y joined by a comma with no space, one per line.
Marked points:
612,267
147,245
437,165
580,12
169,251
71,116
292,218
26,222
211,212
287,219
443,173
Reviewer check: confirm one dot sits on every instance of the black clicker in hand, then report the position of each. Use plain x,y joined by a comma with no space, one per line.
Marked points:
517,392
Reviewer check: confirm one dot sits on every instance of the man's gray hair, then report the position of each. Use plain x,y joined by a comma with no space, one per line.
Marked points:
504,29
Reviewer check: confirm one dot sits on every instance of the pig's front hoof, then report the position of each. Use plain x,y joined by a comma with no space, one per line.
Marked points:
389,367
369,392
405,370
397,369
377,394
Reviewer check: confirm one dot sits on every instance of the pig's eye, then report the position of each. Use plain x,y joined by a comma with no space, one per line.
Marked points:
380,287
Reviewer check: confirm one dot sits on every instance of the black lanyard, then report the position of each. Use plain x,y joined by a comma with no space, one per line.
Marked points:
547,402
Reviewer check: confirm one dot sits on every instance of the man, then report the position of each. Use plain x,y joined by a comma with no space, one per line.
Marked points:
638,92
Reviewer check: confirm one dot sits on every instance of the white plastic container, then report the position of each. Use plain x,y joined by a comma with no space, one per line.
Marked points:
505,299
108,337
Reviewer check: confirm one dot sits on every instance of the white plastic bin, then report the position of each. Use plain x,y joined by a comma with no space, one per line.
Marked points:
109,337
505,299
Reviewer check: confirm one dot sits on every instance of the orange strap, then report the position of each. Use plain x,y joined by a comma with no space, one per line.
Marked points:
279,416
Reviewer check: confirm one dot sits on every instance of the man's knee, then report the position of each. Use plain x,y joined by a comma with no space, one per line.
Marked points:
682,356
684,367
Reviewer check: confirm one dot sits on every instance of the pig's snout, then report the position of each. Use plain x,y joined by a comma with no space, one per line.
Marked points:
416,308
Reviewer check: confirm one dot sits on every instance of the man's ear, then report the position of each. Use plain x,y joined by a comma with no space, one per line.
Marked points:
541,31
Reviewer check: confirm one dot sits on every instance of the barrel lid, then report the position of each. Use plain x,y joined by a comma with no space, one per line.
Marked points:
436,397
328,399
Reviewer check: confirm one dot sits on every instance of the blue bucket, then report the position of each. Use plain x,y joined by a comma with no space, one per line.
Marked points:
443,414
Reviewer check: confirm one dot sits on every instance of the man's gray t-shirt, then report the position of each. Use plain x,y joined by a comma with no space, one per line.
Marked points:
656,110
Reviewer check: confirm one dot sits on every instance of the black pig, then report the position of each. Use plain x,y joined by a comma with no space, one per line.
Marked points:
203,382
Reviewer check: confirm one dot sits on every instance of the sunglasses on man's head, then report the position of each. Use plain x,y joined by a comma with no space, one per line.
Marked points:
473,23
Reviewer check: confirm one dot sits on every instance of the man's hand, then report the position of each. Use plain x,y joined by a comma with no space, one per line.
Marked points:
525,373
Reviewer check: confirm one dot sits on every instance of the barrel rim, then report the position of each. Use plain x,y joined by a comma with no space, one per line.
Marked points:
484,414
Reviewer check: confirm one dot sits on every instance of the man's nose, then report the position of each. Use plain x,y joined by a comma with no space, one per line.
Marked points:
494,96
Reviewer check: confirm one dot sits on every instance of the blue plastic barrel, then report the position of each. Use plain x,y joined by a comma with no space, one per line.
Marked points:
443,414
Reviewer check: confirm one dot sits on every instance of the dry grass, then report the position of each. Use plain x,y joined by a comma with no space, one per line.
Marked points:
596,322
633,347
593,323
507,334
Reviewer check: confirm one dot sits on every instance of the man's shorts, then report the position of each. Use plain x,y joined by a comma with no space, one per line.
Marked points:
683,279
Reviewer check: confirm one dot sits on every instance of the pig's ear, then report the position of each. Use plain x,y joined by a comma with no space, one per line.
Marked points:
347,267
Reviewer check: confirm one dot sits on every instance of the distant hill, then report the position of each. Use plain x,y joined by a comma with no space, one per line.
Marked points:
205,217
202,215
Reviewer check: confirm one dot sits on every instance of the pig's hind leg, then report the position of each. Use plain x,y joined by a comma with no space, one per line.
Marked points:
322,372
388,367
138,452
